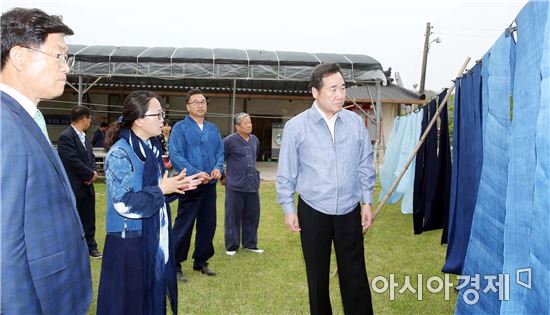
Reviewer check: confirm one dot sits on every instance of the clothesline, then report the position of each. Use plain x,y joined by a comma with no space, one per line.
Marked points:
420,142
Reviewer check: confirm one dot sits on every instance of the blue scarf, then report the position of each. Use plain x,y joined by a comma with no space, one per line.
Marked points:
158,277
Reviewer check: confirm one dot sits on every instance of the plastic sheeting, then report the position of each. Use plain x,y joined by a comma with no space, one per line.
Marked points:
220,63
404,137
466,168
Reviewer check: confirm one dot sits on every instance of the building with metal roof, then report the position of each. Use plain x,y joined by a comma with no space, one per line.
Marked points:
272,86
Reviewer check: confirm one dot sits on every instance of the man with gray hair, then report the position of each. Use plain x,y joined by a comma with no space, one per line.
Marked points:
242,182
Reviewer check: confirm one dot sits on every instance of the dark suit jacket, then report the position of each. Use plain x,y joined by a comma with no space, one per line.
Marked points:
45,268
79,162
97,139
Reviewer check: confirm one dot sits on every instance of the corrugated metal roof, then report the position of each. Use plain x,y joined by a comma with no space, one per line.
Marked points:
388,93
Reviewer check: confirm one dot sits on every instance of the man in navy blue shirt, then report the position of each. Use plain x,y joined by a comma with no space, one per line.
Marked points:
196,146
242,181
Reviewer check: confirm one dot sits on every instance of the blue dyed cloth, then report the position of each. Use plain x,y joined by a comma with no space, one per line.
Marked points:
510,233
485,249
466,167
425,158
537,301
432,175
405,136
406,184
391,158
524,234
136,209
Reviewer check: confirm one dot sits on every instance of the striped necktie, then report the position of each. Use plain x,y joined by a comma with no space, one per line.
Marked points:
39,118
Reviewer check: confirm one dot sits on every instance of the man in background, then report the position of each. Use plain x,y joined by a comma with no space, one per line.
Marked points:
242,183
78,158
196,146
44,262
99,135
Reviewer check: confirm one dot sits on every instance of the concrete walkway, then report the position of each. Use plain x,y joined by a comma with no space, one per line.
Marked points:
268,170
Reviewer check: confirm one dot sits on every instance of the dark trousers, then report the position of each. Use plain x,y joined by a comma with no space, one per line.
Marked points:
242,210
86,210
199,205
318,231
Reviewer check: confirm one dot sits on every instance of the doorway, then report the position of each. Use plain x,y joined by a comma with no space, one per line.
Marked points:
261,128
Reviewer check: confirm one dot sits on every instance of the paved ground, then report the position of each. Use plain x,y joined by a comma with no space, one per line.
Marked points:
268,170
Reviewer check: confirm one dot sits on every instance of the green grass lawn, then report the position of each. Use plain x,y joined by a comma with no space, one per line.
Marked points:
275,282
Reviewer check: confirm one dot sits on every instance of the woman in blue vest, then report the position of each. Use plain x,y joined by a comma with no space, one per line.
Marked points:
138,268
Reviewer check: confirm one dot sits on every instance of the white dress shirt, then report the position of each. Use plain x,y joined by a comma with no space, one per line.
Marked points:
330,122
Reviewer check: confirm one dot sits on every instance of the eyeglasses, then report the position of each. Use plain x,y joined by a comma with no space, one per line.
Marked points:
197,103
160,115
62,59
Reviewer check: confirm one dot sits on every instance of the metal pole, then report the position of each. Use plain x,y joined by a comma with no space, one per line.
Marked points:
233,106
425,57
79,90
422,139
378,126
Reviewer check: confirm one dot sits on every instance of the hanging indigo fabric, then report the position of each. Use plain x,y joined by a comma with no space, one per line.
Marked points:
406,185
432,177
485,248
466,168
537,302
419,175
404,137
525,239
391,158
404,151
444,170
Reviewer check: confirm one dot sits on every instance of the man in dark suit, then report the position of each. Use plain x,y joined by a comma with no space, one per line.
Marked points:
44,265
78,157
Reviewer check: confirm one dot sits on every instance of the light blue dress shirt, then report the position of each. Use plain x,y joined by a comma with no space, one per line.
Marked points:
330,176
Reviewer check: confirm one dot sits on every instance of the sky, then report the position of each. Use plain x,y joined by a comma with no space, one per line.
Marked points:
390,31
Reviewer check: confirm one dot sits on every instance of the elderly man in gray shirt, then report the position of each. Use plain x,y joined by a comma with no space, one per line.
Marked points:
242,183
326,157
